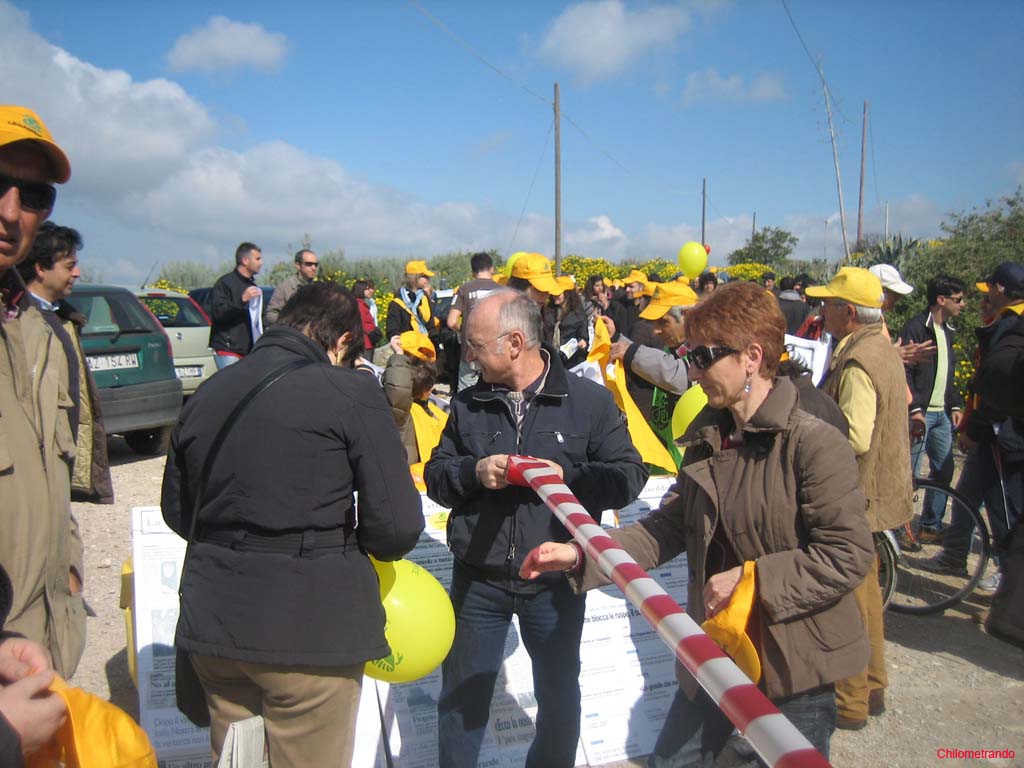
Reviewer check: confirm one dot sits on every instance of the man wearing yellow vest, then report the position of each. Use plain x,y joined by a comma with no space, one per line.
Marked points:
865,377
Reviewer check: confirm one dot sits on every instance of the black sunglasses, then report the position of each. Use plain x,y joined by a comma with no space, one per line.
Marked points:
35,195
703,357
311,263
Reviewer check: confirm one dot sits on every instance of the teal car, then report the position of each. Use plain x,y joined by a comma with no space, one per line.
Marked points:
131,360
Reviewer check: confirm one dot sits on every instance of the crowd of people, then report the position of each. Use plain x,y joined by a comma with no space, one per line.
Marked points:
779,480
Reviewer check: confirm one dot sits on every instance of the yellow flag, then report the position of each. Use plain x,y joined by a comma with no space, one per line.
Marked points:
651,449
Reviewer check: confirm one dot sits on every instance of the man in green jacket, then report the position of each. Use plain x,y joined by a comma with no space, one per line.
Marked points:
40,547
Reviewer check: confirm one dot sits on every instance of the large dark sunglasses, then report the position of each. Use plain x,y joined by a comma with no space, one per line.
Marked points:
703,357
34,195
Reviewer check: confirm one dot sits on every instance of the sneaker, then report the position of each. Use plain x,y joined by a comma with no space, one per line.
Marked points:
944,564
990,583
905,538
931,535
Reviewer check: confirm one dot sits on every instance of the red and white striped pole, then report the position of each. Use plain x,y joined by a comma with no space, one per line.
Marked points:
775,739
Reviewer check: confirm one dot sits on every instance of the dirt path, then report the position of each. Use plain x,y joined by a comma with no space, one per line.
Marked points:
951,685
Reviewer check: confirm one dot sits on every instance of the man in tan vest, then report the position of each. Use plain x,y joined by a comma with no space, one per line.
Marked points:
865,377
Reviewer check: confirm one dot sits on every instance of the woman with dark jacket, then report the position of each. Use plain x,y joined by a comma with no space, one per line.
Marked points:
768,489
566,314
280,605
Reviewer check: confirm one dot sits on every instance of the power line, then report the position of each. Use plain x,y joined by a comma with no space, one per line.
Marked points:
547,102
533,181
814,62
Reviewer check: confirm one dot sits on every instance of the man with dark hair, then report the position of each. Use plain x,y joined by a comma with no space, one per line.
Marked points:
768,281
992,430
306,266
706,283
50,272
40,546
469,295
236,307
525,403
934,393
792,304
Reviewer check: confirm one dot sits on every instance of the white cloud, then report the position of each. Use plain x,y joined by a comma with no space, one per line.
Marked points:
597,40
710,86
225,44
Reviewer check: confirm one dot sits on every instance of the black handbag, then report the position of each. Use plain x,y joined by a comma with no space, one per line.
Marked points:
188,690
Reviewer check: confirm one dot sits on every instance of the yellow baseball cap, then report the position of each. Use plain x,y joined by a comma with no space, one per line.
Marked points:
728,627
666,296
22,124
567,282
852,284
416,344
417,268
536,268
635,276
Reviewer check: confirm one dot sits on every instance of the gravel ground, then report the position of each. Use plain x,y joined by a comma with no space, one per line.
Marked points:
951,685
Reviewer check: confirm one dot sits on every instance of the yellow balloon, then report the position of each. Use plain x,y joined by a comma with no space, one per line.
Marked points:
420,624
693,259
689,405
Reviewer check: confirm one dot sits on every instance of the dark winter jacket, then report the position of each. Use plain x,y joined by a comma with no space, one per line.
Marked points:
921,375
997,383
231,328
571,325
794,309
571,421
285,476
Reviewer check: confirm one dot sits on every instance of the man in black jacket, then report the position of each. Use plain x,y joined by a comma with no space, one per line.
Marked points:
934,394
525,404
994,433
236,307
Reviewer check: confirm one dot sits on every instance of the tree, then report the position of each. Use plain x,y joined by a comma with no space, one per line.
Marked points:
895,251
190,274
770,246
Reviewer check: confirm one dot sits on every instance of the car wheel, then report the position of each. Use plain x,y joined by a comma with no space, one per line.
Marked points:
149,442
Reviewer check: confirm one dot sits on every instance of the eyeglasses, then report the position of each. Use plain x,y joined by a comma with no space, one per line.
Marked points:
35,195
957,299
702,357
311,263
481,346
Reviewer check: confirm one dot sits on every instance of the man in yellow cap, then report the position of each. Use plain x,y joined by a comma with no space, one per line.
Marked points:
39,545
532,274
626,308
865,377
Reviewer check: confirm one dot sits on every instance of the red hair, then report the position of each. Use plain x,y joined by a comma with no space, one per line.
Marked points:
738,315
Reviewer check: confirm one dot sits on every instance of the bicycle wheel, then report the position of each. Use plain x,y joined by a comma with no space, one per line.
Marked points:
933,578
887,550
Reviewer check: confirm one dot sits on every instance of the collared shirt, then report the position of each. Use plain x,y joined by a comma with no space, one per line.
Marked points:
44,305
858,401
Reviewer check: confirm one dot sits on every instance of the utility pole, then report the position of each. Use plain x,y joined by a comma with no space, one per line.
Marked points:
558,185
860,201
835,159
753,228
703,210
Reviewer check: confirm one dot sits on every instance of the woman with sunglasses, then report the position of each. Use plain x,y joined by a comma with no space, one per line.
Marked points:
767,493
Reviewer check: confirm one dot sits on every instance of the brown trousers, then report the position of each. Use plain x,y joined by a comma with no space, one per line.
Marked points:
309,712
852,693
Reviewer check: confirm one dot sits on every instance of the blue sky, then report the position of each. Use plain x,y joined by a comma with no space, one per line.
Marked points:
192,126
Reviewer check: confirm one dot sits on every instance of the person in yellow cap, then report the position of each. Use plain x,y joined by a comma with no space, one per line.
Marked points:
532,274
663,366
865,377
409,379
40,545
625,308
767,509
411,309
565,322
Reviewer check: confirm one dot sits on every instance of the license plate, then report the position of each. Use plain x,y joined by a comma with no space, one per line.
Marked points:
113,362
189,371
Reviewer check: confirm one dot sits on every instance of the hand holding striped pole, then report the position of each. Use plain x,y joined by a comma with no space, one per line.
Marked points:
774,738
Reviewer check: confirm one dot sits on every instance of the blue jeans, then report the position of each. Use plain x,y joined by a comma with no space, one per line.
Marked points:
467,376
695,732
223,361
550,622
938,444
1002,493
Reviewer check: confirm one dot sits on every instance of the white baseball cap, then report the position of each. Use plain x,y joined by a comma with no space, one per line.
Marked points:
891,279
